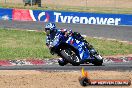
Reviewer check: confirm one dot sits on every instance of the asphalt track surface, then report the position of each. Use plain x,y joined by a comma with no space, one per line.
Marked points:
123,33
106,66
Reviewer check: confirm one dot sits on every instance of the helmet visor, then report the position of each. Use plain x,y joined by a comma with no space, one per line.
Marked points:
47,30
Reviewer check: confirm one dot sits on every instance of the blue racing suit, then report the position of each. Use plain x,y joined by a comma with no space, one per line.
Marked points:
67,33
49,37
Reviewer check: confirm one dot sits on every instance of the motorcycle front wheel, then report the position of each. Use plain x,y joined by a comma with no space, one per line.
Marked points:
98,61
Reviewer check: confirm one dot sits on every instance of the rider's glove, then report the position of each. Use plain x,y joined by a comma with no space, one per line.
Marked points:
47,44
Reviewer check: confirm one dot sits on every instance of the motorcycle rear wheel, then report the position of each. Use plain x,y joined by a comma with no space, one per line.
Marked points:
62,63
71,57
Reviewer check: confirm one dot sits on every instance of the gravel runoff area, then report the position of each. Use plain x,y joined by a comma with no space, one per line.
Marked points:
43,79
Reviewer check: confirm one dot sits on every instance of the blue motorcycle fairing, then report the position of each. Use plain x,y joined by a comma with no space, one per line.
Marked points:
83,52
59,38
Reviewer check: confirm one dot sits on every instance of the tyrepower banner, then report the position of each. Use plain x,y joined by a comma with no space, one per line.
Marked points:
5,14
92,18
66,17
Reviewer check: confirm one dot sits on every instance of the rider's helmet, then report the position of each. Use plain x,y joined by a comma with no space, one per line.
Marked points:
50,27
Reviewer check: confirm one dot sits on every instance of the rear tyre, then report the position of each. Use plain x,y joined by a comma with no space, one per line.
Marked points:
62,62
71,57
75,61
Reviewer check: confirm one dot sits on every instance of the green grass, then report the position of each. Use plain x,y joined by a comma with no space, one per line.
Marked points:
71,8
111,47
16,44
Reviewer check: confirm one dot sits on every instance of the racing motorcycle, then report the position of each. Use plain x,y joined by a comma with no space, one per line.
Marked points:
73,51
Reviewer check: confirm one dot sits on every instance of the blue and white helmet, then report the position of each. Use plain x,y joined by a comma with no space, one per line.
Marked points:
49,27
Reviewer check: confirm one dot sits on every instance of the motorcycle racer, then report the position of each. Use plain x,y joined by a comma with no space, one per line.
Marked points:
51,30
70,46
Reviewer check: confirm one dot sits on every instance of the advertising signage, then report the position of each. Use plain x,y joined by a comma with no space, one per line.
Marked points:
66,17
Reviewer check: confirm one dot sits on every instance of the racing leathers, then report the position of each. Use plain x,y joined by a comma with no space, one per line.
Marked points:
67,33
53,33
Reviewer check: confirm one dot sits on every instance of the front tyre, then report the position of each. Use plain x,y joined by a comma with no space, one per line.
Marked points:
98,61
